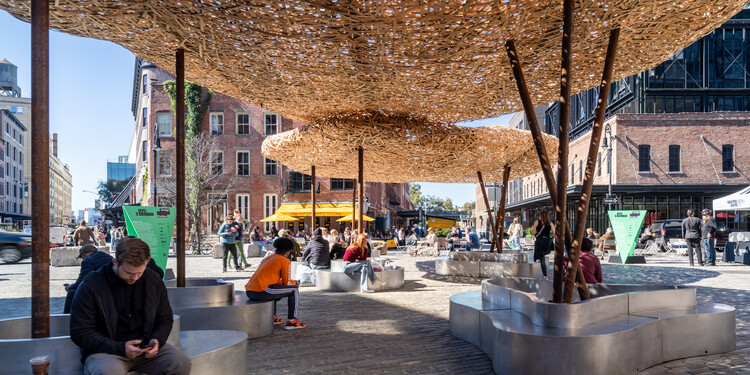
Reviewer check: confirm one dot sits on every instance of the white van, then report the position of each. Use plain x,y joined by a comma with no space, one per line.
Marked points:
57,235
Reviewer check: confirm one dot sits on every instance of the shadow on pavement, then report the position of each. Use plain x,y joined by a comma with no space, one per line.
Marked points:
634,274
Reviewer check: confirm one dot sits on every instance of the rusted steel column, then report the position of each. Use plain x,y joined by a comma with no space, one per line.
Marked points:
180,167
487,206
361,182
354,202
562,150
40,168
500,222
312,198
588,180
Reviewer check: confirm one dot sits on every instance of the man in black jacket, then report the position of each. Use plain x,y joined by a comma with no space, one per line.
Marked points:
121,317
691,232
709,228
93,259
317,251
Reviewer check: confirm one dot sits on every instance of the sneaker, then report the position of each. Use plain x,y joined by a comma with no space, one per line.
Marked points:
248,265
368,291
224,270
294,324
277,321
240,268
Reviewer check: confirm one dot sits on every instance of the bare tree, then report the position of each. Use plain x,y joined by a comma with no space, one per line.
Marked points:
207,181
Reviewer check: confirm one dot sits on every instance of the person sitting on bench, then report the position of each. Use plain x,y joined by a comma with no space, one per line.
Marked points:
121,317
270,282
355,260
93,259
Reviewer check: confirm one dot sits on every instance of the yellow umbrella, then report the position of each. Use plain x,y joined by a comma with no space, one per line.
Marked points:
349,218
279,217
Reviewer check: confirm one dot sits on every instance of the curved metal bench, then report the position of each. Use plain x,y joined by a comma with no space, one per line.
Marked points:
212,304
338,281
486,268
623,330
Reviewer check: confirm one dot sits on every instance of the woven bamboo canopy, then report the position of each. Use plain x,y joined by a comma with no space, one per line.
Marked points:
441,60
405,149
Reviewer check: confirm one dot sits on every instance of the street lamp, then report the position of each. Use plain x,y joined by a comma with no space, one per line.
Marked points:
608,144
156,149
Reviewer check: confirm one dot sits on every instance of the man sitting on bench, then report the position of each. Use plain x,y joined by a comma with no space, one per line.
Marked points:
121,317
270,282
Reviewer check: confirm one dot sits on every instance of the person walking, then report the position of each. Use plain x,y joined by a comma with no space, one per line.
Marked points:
542,230
228,234
83,235
691,232
516,233
239,225
708,230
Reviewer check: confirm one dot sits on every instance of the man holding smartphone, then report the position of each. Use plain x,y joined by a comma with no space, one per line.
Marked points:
121,317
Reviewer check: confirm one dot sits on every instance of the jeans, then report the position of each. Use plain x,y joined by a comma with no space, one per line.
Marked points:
515,242
240,244
315,267
275,293
693,244
364,267
708,247
229,248
169,360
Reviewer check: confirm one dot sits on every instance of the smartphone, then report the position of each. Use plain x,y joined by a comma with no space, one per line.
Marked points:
145,344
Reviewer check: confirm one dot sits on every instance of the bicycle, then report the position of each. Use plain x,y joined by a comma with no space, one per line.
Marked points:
204,248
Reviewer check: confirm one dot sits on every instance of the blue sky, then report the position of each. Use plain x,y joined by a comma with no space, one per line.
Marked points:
91,84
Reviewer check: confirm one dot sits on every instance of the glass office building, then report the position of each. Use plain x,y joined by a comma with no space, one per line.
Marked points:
121,170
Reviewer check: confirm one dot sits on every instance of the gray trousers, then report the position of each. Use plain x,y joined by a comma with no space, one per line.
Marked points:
169,361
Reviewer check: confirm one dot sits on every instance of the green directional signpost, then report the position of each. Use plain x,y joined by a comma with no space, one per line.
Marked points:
154,226
627,226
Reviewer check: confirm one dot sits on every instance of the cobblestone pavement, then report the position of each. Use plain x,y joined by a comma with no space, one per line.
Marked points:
406,331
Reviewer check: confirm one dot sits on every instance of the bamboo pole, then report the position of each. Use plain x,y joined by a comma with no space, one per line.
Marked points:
588,181
561,204
312,198
537,136
500,222
354,203
40,327
487,206
180,167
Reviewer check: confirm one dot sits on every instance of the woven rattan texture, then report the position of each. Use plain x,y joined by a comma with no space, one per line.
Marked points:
406,149
442,60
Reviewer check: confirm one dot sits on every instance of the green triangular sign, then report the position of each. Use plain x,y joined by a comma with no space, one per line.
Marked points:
154,226
627,227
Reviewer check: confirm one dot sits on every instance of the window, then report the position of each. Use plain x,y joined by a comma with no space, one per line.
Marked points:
15,110
217,162
299,181
164,122
144,155
145,117
217,123
727,158
243,204
599,165
271,124
272,168
269,207
342,184
572,173
644,158
145,80
165,163
243,123
243,163
674,158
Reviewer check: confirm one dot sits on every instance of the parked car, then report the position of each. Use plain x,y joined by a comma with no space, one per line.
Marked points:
14,246
667,229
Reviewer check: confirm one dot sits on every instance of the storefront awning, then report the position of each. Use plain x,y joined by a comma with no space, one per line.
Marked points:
440,223
278,217
321,209
349,218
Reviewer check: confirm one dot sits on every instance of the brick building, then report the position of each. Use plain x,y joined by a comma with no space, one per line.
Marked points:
240,177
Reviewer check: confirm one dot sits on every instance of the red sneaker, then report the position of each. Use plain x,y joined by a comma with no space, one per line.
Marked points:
294,324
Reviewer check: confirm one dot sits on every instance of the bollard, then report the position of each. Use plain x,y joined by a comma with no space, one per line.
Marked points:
40,365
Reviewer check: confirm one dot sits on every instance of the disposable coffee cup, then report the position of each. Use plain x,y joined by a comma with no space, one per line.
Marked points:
40,365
